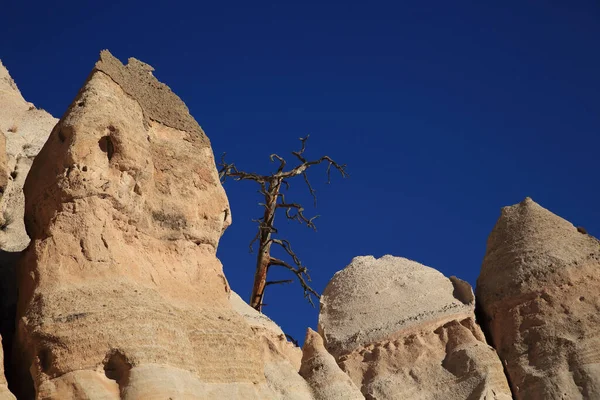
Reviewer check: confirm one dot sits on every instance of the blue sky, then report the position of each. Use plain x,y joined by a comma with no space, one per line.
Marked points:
443,111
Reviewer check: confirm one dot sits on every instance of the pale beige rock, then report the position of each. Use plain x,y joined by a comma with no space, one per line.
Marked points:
121,293
282,359
324,376
539,290
402,330
26,129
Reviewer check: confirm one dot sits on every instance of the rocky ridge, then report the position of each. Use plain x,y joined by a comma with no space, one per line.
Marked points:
121,296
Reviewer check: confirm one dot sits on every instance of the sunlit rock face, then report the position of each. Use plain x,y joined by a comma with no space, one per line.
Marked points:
121,295
402,330
25,130
326,379
539,291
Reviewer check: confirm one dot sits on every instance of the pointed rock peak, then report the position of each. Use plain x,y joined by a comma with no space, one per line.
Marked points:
327,381
6,81
406,293
312,342
157,100
529,243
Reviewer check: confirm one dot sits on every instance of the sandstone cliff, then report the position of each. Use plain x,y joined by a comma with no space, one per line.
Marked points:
121,294
539,290
401,330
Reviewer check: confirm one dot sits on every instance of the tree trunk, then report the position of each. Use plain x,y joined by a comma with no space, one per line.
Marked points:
264,246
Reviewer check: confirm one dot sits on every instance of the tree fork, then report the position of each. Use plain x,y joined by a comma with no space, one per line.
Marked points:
274,200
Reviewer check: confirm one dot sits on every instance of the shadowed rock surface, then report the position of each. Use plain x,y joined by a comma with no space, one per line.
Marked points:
5,394
397,329
539,290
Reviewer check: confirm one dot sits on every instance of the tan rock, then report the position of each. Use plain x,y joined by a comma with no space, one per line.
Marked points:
121,291
5,394
539,290
281,358
326,379
402,330
26,129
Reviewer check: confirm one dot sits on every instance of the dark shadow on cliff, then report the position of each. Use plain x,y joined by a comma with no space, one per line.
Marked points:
8,309
483,321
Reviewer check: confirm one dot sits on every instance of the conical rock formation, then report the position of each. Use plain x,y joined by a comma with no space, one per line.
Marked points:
326,379
402,330
121,295
539,290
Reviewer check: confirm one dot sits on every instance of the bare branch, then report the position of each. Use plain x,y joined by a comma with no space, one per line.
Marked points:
230,170
281,161
279,282
301,274
255,239
313,192
299,215
299,154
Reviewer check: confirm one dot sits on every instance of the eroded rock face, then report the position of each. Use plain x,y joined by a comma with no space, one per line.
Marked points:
402,330
23,131
326,379
26,129
121,295
539,290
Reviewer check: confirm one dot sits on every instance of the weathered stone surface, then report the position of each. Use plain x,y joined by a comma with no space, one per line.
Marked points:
282,359
5,394
539,290
25,128
326,379
401,330
121,294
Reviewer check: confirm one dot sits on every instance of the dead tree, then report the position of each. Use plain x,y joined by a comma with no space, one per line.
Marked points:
274,199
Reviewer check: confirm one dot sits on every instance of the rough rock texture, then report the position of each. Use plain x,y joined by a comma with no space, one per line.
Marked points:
326,379
282,359
25,129
121,294
539,290
402,330
5,394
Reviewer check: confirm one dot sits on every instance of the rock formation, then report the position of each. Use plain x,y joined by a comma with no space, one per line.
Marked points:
281,358
401,330
26,129
121,294
5,394
23,131
539,291
326,379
